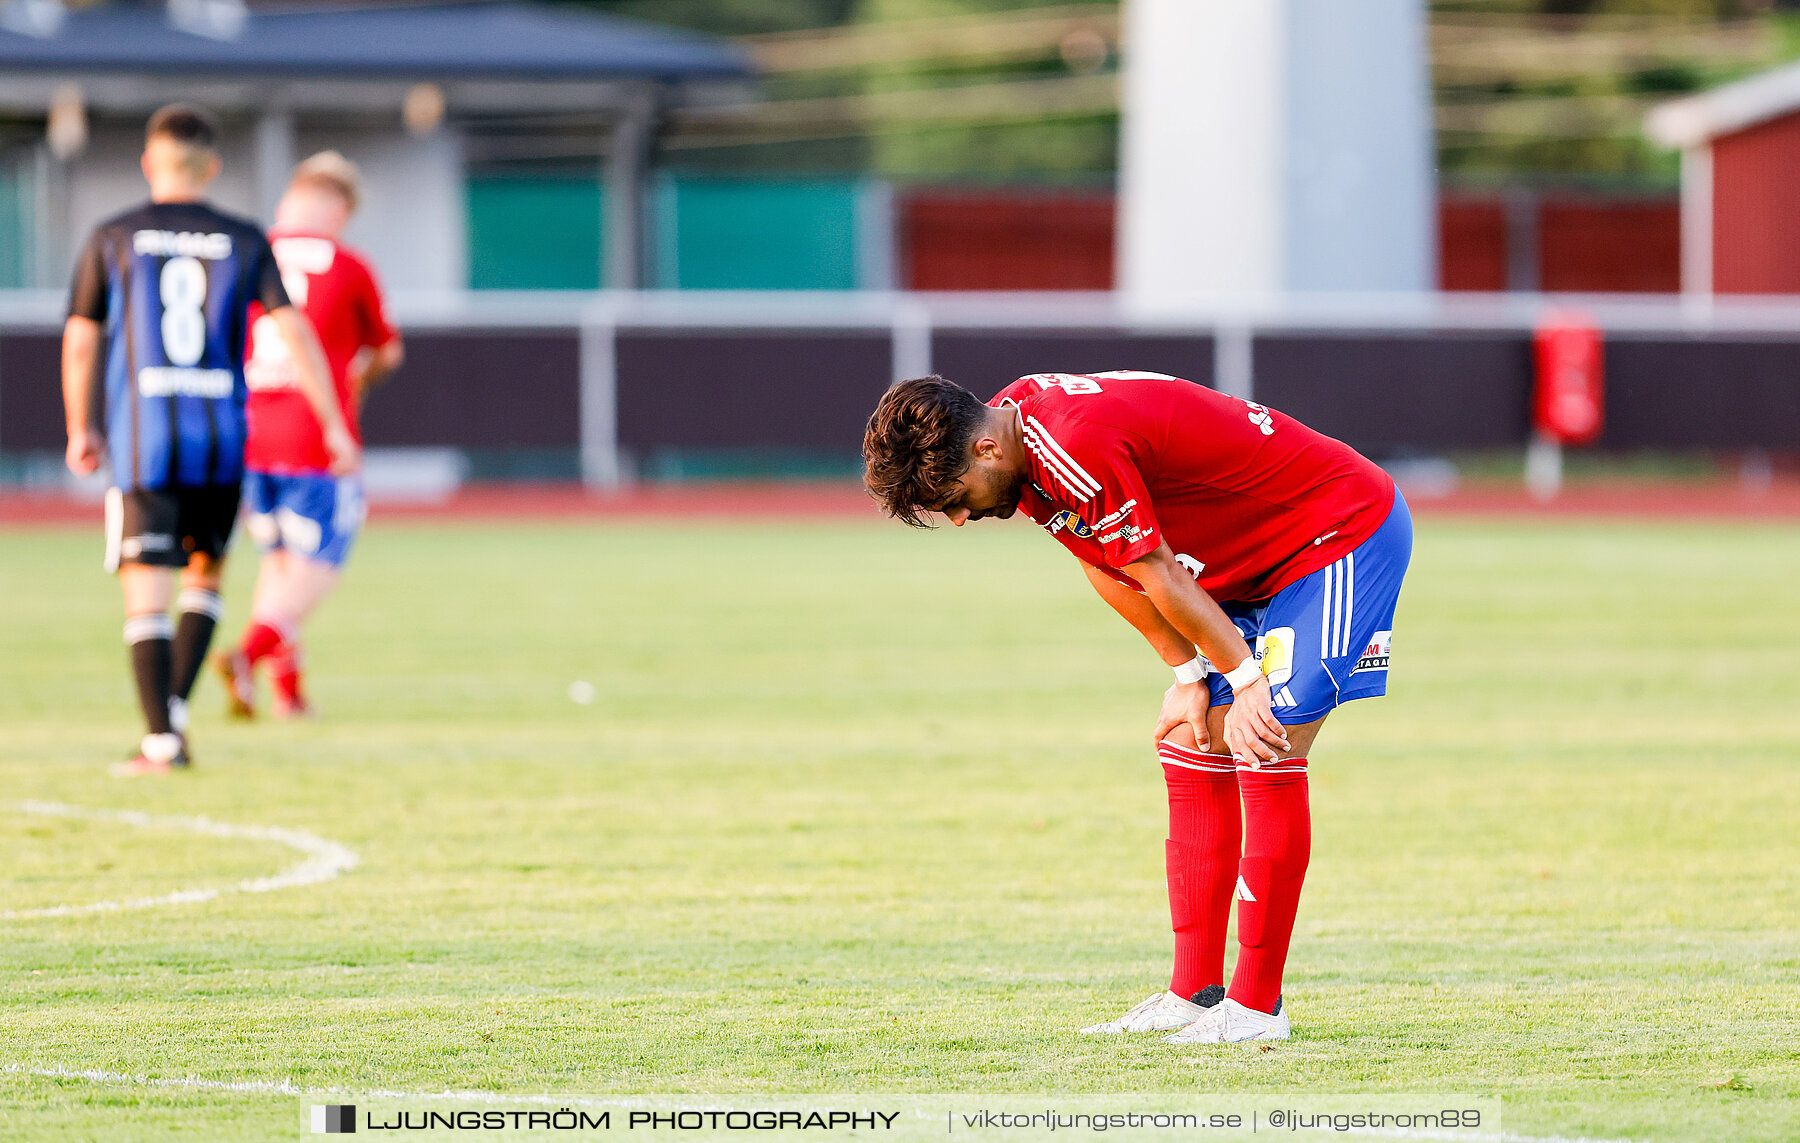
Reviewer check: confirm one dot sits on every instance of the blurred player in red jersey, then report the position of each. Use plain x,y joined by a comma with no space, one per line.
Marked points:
302,517
1262,560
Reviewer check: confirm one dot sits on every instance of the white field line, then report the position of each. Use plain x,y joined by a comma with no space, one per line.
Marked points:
324,859
289,1088
1476,1137
327,859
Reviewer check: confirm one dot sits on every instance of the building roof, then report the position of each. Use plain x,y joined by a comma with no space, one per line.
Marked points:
1726,110
510,40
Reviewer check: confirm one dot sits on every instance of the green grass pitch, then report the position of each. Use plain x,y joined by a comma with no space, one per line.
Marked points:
862,810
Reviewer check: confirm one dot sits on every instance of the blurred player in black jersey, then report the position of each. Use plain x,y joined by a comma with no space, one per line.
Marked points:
157,317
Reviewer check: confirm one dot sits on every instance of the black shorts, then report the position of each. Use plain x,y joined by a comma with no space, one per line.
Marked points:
164,527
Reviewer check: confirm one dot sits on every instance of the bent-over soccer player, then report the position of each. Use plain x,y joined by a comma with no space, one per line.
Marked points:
1260,559
157,316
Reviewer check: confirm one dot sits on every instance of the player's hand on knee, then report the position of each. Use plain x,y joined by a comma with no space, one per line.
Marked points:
1186,703
1251,729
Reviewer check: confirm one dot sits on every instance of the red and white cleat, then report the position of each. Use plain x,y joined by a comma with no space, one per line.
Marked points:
240,683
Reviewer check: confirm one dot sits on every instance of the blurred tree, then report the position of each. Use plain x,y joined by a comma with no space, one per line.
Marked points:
1060,137
1571,80
1000,123
1525,90
732,17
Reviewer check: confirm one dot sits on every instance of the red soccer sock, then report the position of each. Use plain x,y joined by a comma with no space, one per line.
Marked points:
262,638
1202,861
284,675
1277,844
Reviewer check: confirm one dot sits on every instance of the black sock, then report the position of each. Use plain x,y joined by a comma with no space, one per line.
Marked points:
200,611
148,638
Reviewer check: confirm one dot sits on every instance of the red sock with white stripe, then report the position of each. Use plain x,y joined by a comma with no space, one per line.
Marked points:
262,638
284,676
1277,845
1202,861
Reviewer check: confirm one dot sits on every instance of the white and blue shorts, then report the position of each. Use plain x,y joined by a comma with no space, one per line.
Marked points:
314,515
1326,638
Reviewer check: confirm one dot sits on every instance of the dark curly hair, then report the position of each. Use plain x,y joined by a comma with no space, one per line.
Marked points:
917,445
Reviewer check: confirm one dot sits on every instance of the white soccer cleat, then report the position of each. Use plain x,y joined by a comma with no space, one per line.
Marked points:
1232,1023
1159,1013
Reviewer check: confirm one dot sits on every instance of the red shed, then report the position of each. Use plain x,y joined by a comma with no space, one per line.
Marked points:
1740,184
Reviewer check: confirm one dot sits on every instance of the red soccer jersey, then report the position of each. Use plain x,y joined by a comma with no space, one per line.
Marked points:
1249,499
336,290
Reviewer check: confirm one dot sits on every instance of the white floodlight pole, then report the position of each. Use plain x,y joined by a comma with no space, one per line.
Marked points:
1270,146
274,162
1201,187
1697,222
601,469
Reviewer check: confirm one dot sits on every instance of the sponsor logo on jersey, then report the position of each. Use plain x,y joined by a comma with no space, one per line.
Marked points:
175,381
270,366
1259,416
1376,655
265,376
1112,518
1071,383
1130,533
1194,567
300,257
1075,524
180,244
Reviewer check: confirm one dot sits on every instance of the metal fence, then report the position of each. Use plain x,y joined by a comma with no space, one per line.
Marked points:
611,380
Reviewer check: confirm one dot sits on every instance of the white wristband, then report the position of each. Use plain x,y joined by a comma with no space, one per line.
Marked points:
1192,671
1244,673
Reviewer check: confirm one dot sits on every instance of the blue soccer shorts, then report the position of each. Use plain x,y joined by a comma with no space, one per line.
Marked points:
1325,639
310,514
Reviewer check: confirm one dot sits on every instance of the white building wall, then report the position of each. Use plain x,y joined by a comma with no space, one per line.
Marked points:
413,221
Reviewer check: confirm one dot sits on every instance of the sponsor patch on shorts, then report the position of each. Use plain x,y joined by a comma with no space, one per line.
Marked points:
135,546
1274,651
1375,656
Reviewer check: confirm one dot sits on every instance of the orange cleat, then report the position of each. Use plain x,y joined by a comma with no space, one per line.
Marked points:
240,683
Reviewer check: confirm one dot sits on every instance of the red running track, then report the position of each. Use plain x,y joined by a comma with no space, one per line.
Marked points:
1652,499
